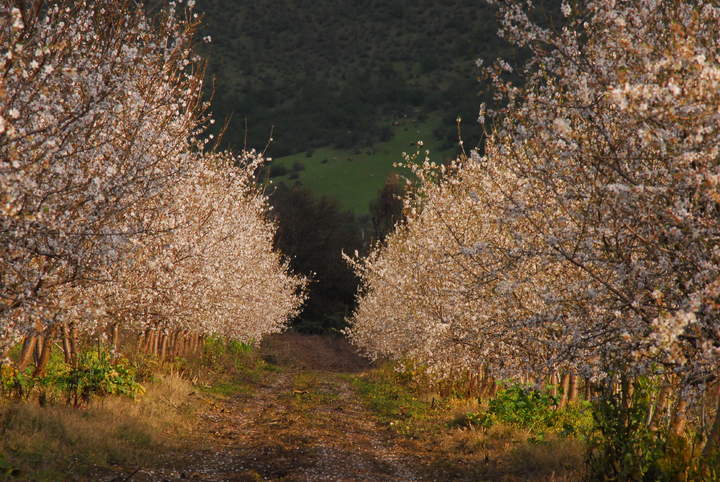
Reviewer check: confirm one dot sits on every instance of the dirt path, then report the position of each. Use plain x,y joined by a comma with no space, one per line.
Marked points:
302,423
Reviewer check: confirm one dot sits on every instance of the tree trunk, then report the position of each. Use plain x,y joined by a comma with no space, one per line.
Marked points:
552,381
625,392
587,389
712,446
175,344
140,342
148,341
658,408
27,352
67,351
115,336
677,425
39,345
163,346
155,341
74,343
45,354
180,343
565,384
573,389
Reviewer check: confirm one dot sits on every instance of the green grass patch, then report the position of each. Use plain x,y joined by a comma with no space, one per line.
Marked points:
228,389
354,176
393,402
310,391
226,368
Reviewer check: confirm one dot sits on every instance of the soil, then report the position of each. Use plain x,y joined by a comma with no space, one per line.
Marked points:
304,422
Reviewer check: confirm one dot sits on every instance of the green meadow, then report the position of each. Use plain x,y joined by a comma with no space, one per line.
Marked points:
354,176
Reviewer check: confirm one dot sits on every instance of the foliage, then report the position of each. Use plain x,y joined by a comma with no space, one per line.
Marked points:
524,406
353,176
624,446
96,374
276,66
534,409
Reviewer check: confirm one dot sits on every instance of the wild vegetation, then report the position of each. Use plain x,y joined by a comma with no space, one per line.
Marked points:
326,74
580,249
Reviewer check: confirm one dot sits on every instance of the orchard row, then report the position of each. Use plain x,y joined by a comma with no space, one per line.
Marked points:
114,212
585,241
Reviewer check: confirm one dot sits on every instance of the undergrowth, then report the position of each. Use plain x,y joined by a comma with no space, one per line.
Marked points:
535,410
513,435
113,411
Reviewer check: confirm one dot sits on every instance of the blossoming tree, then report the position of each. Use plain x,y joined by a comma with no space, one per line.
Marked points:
103,180
598,204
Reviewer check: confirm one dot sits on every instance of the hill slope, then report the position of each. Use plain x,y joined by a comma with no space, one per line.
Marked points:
323,72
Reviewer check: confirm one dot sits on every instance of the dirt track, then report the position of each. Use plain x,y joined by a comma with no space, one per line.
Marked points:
302,423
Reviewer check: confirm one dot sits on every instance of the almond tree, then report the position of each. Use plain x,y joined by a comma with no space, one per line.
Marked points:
604,167
111,212
211,267
100,109
617,125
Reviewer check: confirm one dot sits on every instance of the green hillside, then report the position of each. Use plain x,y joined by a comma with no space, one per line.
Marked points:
354,176
326,72
331,76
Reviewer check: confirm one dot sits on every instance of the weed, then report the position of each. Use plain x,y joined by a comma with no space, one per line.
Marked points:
624,447
532,409
393,402
96,374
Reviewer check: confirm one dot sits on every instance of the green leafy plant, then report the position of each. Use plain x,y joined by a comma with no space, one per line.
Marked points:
623,446
533,409
96,374
14,383
524,406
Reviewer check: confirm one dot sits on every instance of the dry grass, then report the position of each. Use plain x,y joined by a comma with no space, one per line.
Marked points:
453,448
62,443
556,459
504,453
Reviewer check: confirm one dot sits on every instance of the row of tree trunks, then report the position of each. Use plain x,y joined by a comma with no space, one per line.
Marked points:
28,350
70,342
570,387
167,346
37,348
45,352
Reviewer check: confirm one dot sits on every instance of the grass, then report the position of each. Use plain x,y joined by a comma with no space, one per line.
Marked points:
49,440
309,391
48,443
355,176
394,403
454,449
